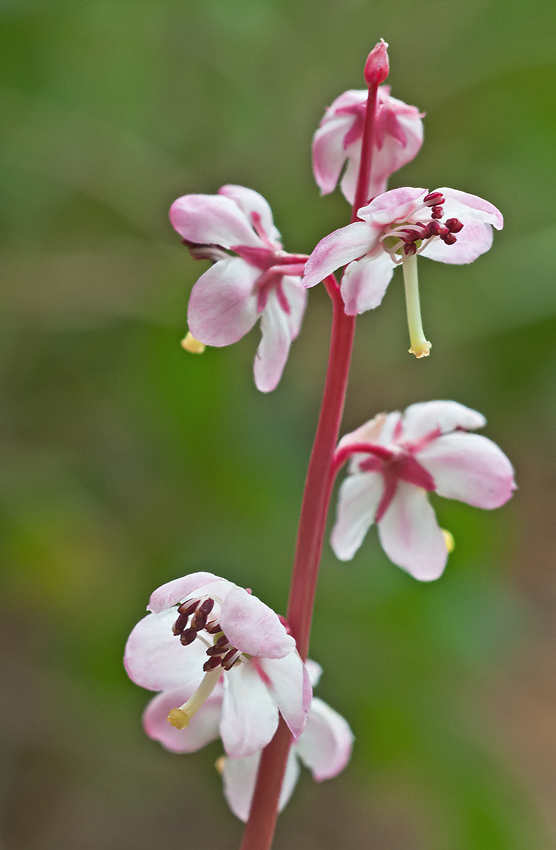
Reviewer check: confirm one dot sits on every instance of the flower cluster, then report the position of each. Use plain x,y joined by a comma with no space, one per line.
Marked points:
226,667
224,664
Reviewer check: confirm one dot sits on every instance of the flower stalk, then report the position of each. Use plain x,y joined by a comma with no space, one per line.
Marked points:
259,830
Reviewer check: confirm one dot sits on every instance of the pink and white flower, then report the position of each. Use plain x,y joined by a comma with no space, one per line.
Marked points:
397,139
258,280
445,225
396,460
204,633
324,746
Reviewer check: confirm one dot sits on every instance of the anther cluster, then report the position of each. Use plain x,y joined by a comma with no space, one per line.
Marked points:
193,618
424,232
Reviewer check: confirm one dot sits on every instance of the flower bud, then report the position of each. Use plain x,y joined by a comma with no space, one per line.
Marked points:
377,66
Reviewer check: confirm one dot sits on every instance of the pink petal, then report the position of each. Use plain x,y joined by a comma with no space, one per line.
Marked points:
180,589
274,346
296,296
463,205
393,154
469,467
365,281
249,714
326,744
155,659
255,208
426,416
395,205
348,183
253,627
223,302
328,152
212,220
239,776
290,688
475,239
358,500
410,535
202,729
337,249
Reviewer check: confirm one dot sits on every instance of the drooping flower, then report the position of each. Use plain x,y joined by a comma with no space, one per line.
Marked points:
257,280
205,632
397,139
324,746
395,228
395,461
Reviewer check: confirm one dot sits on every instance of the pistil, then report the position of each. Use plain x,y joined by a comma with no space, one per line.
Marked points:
179,717
420,346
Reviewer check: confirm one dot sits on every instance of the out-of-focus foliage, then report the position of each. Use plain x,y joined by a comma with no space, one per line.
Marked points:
125,462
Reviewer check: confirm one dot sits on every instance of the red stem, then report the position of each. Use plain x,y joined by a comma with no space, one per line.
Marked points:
259,830
260,827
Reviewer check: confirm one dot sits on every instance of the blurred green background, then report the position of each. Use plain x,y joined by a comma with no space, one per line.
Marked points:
126,462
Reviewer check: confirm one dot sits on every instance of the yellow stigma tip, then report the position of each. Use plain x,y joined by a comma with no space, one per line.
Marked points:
448,540
178,718
219,764
422,349
189,343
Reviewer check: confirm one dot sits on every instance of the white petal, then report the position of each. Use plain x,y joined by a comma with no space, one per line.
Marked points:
463,205
365,281
180,589
274,346
337,249
314,671
212,220
328,152
426,416
358,500
253,627
410,534
289,686
255,207
326,744
249,714
203,726
469,467
475,239
240,775
155,659
296,296
223,302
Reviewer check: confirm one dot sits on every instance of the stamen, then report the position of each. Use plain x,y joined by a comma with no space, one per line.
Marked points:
188,636
434,199
180,717
437,212
194,346
454,225
420,346
180,624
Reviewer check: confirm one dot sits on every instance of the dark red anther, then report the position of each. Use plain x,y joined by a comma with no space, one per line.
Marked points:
449,238
198,621
211,664
207,606
188,636
229,660
213,627
454,225
188,607
433,199
410,249
180,624
434,228
217,650
437,212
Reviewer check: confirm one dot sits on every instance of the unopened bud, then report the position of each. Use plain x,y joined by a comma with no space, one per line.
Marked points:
189,343
377,66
